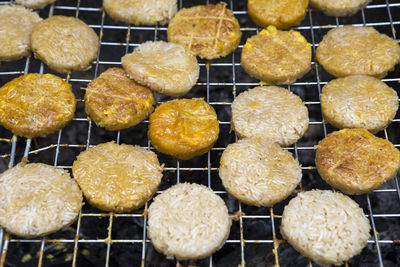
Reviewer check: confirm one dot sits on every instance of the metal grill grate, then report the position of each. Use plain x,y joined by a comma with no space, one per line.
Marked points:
99,238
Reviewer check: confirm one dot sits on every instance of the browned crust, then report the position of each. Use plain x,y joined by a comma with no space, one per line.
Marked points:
36,105
115,102
355,161
184,128
209,31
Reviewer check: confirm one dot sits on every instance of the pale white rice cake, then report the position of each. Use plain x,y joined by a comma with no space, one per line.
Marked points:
141,12
37,199
351,50
188,221
166,68
117,178
65,44
270,112
359,102
339,8
35,4
16,25
259,172
326,226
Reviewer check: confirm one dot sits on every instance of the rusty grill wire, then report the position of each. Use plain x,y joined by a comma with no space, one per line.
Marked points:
99,238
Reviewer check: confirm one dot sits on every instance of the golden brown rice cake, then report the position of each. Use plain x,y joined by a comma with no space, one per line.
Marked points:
16,25
351,50
65,44
117,178
259,172
339,8
36,105
35,4
359,102
141,12
184,128
276,57
270,112
326,226
209,31
282,14
355,161
166,68
116,102
37,199
188,221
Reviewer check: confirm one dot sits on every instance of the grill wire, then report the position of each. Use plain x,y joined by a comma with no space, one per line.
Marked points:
99,238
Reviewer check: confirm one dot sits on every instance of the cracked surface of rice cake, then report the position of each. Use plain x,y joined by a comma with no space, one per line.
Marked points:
326,226
166,68
359,102
117,178
355,161
37,199
188,221
65,44
16,26
270,112
259,172
339,8
209,31
35,105
351,50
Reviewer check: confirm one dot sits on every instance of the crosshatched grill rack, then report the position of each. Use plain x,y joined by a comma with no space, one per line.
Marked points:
219,90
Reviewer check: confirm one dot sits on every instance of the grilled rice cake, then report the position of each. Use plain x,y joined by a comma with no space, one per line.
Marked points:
270,112
116,102
355,161
16,25
35,4
166,68
351,50
37,199
196,219
259,172
65,44
35,105
276,57
359,101
117,178
282,14
184,128
326,226
339,8
209,31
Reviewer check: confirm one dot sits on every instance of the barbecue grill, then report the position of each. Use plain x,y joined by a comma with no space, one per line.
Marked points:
99,238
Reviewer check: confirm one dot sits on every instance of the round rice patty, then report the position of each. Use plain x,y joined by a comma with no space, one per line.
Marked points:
276,57
326,226
36,105
359,102
116,102
188,221
65,44
351,50
270,112
166,68
355,161
16,25
37,199
339,8
141,12
282,14
35,4
117,178
209,31
258,172
184,128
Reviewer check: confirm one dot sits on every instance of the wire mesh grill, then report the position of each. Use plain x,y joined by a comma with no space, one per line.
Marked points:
99,238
